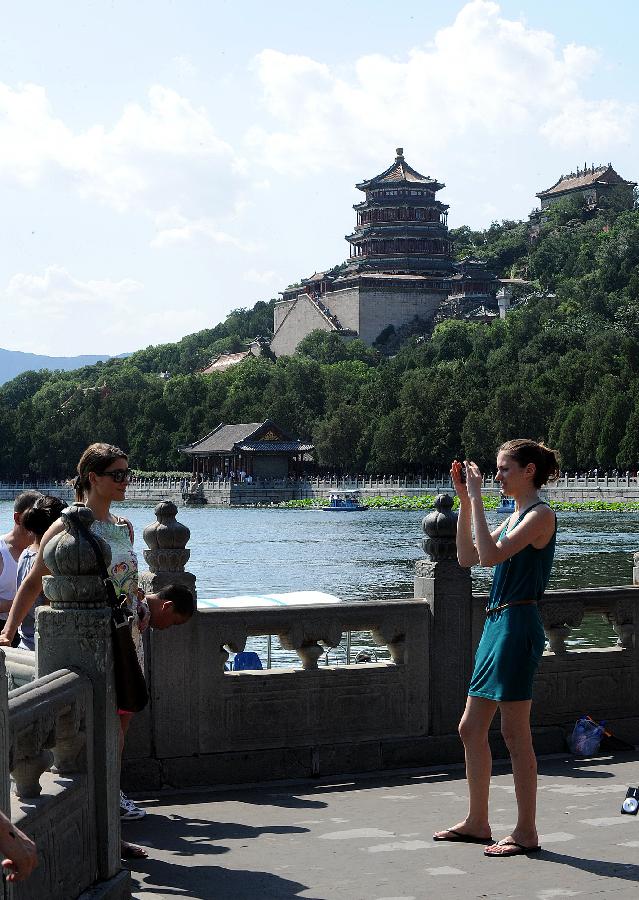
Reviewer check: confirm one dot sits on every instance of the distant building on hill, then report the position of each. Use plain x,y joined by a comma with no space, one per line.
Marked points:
590,183
249,450
401,267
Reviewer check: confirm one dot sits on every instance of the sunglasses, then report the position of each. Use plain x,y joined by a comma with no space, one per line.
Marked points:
120,475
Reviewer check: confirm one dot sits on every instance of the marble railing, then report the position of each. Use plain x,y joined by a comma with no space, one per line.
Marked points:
21,667
59,732
48,751
207,724
562,611
217,725
48,725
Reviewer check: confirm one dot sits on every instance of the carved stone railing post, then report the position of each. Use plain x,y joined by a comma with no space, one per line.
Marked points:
447,587
75,631
175,650
4,740
167,555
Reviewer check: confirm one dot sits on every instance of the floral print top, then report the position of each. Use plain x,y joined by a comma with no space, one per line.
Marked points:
123,570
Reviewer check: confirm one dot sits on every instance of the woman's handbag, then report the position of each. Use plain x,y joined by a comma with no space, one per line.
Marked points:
130,686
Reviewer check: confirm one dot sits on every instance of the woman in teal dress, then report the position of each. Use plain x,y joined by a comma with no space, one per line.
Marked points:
512,642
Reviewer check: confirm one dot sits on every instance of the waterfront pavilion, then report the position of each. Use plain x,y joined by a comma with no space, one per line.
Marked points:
259,449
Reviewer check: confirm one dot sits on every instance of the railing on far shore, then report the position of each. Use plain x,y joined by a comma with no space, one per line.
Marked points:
226,491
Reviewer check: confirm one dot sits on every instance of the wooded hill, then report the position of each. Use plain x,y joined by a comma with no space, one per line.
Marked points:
563,366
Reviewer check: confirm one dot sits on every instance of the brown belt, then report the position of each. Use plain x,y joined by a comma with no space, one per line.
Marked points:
494,609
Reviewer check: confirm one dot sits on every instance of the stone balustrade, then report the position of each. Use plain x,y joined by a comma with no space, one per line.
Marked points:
21,667
59,732
210,725
47,722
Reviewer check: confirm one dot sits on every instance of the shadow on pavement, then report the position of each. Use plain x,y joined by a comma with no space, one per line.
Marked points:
259,796
186,836
163,879
625,871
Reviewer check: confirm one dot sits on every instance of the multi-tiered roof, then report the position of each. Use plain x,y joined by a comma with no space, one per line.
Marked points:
401,226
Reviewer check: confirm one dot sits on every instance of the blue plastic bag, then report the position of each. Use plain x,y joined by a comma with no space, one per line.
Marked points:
586,736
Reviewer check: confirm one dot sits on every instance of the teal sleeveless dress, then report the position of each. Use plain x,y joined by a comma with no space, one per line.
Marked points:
513,639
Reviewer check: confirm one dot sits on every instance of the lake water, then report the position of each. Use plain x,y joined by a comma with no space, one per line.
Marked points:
368,555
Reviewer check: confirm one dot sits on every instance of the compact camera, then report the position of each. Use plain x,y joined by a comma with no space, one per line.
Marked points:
630,805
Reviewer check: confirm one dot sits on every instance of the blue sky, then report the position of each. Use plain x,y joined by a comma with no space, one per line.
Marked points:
162,163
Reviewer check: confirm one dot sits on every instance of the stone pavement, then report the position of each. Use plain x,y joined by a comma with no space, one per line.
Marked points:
369,838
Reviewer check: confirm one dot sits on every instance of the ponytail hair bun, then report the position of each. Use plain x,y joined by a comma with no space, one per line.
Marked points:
545,460
44,512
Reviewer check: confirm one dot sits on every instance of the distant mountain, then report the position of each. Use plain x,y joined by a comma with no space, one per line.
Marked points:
13,362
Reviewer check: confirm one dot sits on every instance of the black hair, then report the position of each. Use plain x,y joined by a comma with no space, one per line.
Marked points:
44,512
181,598
25,500
96,458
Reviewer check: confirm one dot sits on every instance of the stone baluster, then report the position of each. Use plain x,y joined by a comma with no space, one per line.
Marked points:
623,619
392,637
4,739
167,555
447,587
75,631
559,619
31,757
309,640
70,740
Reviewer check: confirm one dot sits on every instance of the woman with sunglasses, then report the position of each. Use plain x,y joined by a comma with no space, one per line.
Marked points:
102,479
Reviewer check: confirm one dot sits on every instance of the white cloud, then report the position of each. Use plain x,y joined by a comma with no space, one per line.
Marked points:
58,314
156,152
482,77
184,66
256,277
58,294
591,126
174,229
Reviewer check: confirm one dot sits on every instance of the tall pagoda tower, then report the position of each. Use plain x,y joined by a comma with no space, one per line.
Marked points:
400,271
401,227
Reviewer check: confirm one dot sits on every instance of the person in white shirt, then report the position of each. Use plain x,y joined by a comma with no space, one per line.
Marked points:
11,546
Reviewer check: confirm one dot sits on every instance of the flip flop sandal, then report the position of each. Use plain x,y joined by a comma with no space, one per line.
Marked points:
458,837
517,849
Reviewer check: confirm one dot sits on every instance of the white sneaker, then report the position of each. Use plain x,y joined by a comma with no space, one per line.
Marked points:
128,809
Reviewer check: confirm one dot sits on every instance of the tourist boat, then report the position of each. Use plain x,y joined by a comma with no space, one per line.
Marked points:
345,501
507,504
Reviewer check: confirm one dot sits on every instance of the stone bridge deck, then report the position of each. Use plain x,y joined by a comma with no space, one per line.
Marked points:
369,838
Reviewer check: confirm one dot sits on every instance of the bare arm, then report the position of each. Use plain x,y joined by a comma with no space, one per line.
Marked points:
536,529
18,853
29,590
467,554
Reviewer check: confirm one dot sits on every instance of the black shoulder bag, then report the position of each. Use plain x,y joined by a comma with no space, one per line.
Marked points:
130,686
